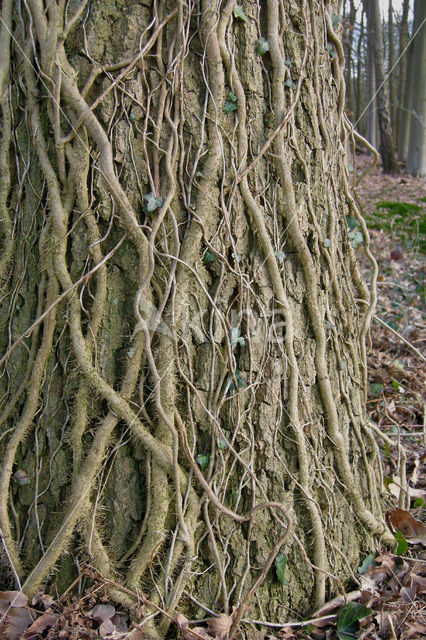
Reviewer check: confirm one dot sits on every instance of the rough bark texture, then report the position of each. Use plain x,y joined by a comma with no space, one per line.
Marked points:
416,158
387,151
183,317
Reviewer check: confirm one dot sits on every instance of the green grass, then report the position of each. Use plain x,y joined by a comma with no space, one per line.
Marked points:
403,219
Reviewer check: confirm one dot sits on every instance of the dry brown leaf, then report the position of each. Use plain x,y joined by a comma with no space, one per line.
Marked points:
106,628
14,623
45,621
220,627
413,530
102,612
137,634
415,630
12,599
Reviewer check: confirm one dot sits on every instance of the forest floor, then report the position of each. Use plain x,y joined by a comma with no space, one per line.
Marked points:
389,601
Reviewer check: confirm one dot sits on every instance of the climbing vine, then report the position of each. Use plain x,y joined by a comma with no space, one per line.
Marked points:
183,316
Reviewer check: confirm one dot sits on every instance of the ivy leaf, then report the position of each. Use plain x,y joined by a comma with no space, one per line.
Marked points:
331,51
231,103
347,622
376,388
352,223
239,13
289,83
288,63
367,562
280,255
222,444
203,459
335,19
152,203
402,544
241,383
280,565
208,257
327,242
262,46
356,238
236,338
418,502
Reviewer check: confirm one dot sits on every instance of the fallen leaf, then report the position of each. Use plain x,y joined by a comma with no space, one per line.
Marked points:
413,530
42,623
12,599
106,628
102,612
220,627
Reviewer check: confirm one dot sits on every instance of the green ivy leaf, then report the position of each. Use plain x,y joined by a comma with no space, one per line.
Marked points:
239,13
402,544
376,388
262,46
288,63
335,19
418,502
203,459
280,565
331,51
289,83
356,239
352,223
240,381
152,203
231,103
347,622
208,257
280,255
222,444
236,338
327,242
367,562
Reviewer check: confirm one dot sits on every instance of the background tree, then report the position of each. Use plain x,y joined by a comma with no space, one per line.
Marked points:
375,43
183,316
416,159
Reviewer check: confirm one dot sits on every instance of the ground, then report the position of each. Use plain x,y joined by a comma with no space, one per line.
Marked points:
388,592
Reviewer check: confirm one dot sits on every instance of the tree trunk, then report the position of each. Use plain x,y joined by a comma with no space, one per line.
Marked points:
371,108
387,152
359,79
184,376
391,74
416,159
348,42
405,57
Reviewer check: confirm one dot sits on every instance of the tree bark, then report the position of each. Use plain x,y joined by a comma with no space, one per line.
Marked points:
416,159
184,377
386,148
403,84
391,74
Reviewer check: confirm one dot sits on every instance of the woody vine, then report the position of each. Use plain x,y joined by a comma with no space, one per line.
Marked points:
184,321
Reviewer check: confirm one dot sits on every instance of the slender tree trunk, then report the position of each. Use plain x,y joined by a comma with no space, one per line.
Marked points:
184,369
371,108
391,71
349,79
416,159
403,84
387,152
361,66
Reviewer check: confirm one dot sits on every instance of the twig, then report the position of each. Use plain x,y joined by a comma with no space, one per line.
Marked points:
404,340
